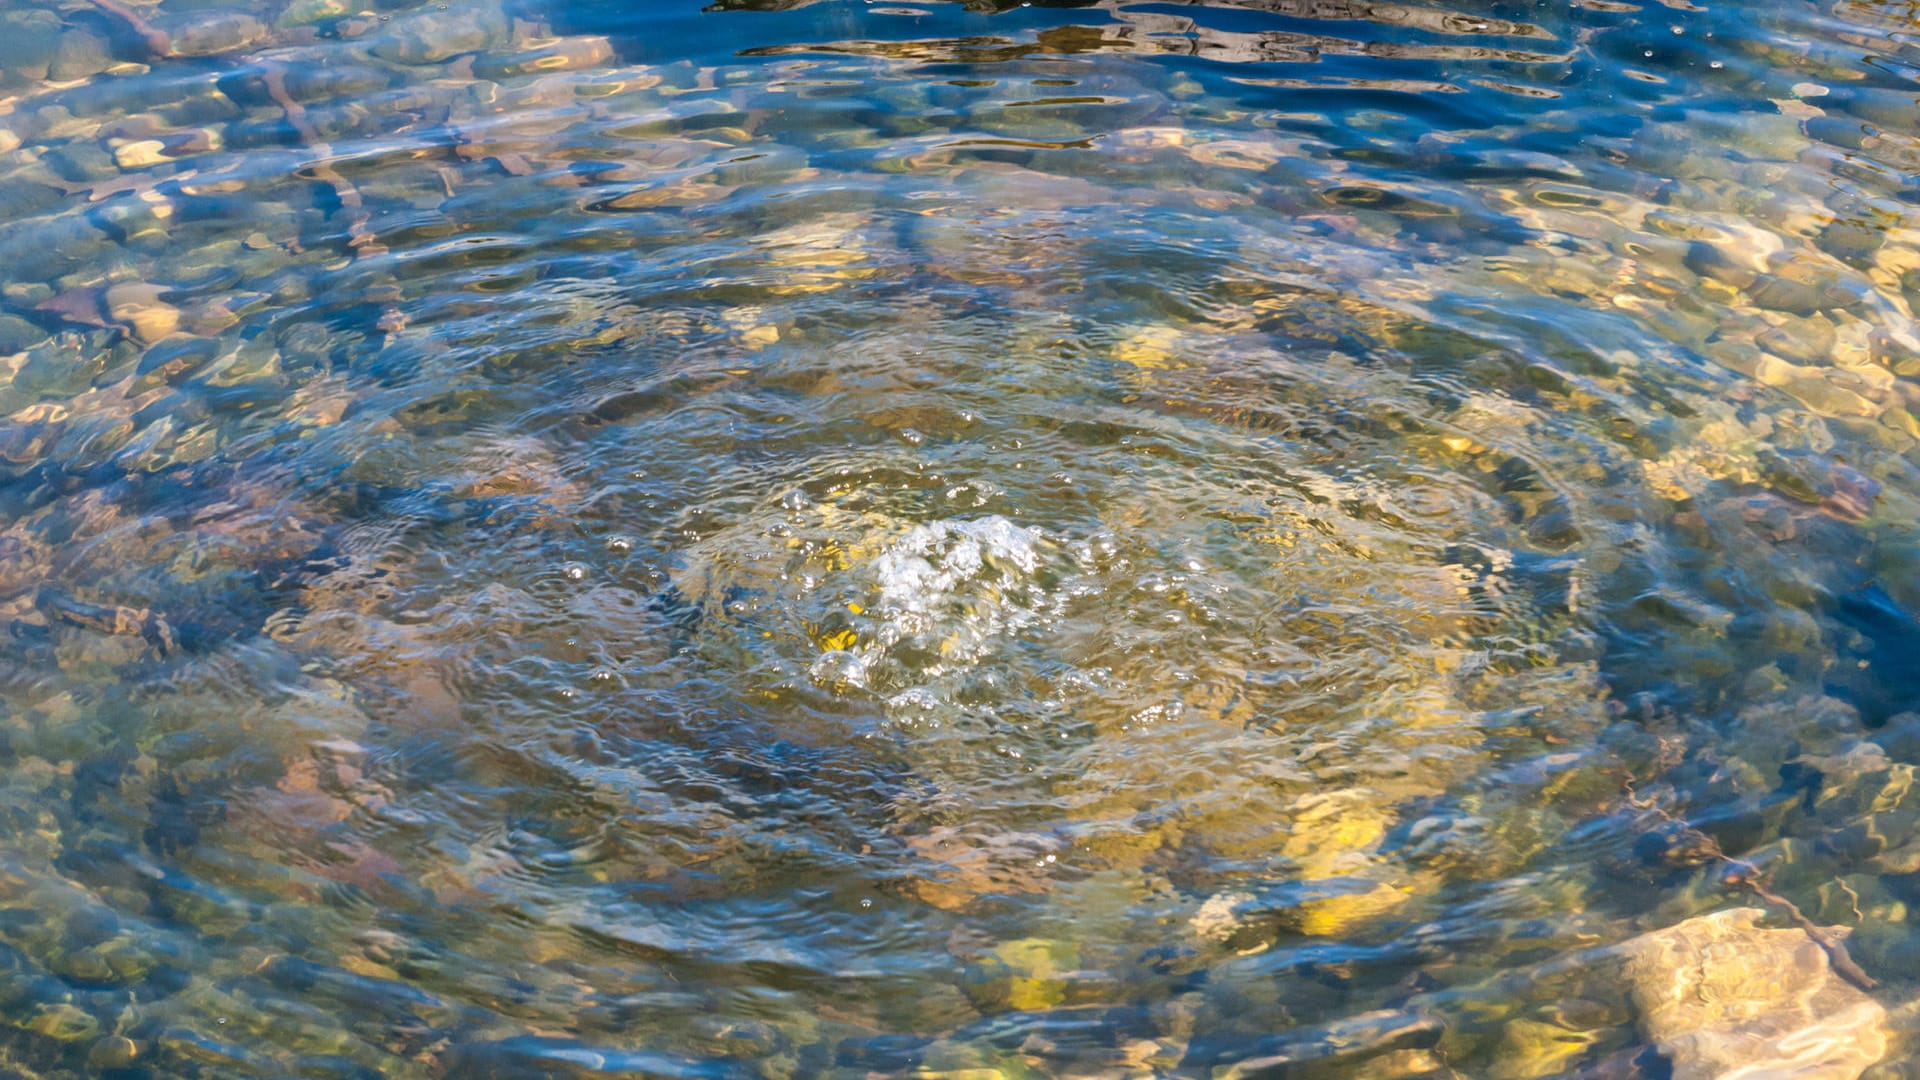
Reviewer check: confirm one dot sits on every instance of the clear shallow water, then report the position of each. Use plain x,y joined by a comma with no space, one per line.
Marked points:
552,539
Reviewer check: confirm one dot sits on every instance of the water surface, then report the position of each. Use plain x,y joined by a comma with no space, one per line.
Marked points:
826,539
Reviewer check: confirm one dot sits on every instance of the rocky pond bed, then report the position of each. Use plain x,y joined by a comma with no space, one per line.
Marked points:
959,540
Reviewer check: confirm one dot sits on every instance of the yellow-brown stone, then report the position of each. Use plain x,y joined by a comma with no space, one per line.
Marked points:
1724,997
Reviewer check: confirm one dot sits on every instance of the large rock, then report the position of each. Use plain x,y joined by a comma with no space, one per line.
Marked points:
429,37
18,335
29,42
211,33
1726,999
83,52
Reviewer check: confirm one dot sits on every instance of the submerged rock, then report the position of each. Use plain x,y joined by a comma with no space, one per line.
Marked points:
212,33
29,45
1352,1043
17,334
140,309
306,12
1723,996
429,37
1531,1049
81,162
83,53
566,54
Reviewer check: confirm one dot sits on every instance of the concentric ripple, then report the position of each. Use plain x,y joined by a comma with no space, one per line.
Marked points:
805,538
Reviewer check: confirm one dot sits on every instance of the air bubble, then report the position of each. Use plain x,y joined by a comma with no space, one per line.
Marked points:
574,572
619,543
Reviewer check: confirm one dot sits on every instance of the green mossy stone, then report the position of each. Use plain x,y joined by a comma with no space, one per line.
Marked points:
1802,340
82,53
1532,1049
1890,110
113,1052
203,1050
1896,564
308,12
82,162
1852,239
200,110
24,198
82,965
63,1023
429,37
1024,975
29,45
212,33
18,335
27,293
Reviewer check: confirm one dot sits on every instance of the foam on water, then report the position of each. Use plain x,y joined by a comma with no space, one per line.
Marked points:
941,594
